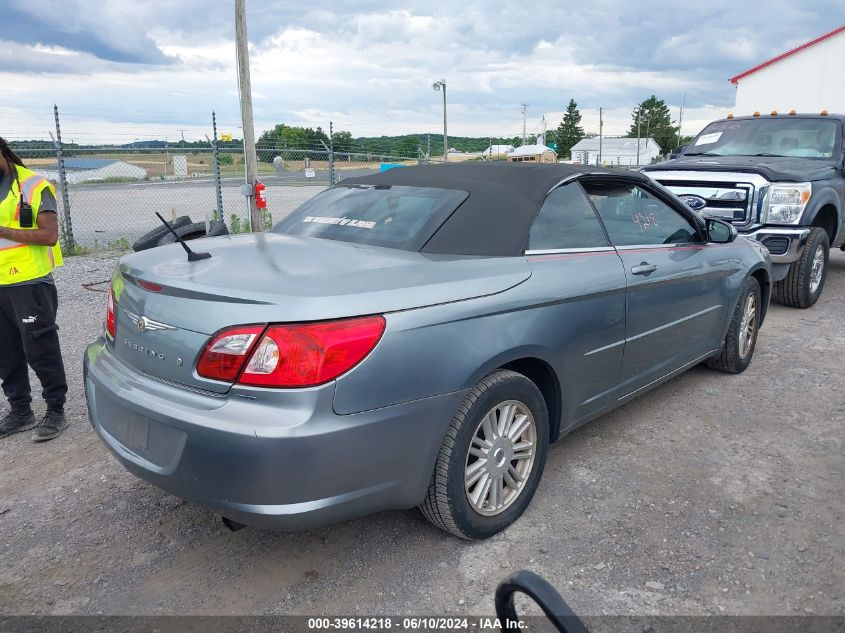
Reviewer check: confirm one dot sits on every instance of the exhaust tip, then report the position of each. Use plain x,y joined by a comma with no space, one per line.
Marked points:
234,526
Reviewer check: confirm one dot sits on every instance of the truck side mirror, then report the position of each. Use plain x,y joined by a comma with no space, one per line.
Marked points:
719,231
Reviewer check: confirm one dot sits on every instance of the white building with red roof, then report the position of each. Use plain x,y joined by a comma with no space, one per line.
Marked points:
808,78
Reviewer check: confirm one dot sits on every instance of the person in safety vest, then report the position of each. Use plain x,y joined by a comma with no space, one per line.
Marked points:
29,251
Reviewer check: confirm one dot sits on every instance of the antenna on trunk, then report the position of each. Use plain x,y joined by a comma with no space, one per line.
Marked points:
192,256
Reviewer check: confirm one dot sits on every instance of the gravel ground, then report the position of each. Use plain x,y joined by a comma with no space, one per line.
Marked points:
713,494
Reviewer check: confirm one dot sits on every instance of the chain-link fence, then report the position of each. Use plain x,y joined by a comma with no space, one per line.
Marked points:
113,193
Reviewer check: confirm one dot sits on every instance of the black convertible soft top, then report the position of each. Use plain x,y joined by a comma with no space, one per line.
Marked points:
504,198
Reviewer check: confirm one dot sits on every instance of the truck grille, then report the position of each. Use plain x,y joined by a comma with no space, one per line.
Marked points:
732,201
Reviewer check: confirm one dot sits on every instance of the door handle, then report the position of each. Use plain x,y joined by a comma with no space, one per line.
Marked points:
643,269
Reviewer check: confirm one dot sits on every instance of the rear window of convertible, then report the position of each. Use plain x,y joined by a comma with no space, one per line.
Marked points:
397,217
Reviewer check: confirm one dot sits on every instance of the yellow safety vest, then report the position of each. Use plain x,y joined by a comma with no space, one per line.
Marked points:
23,262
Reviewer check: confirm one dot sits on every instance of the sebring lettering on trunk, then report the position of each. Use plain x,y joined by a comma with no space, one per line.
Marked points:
143,350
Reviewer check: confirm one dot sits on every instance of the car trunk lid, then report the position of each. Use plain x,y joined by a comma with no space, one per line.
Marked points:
167,308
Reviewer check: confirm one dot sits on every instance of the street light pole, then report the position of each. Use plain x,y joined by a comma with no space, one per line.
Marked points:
601,125
524,122
437,85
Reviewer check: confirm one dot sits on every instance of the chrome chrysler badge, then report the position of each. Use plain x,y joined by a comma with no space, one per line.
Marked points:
145,324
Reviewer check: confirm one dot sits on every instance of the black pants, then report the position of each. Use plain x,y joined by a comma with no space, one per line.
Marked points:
29,334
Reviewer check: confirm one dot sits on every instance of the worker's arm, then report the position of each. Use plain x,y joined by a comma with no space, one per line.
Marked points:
47,233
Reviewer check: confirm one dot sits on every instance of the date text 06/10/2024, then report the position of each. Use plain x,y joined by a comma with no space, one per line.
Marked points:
421,623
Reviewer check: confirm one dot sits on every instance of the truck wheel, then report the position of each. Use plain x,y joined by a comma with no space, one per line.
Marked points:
803,284
149,240
195,231
742,333
491,459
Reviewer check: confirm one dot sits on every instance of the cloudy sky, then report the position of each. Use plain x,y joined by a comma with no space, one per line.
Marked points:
122,71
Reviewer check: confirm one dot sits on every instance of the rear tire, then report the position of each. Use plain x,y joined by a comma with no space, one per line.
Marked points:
500,405
742,334
804,282
151,239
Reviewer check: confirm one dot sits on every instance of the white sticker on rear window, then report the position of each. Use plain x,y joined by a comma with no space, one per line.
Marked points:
318,219
707,139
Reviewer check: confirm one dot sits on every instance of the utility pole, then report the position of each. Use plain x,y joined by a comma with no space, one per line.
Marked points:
681,119
638,137
524,110
601,125
183,134
245,90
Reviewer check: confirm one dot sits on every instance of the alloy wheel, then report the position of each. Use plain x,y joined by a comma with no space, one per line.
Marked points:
748,325
500,457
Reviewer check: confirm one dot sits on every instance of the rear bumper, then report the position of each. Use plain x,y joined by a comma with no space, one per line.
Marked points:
784,244
286,461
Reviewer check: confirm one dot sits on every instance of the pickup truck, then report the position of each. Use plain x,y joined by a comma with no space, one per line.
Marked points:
780,179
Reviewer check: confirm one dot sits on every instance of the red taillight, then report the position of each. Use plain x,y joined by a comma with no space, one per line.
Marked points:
304,355
296,355
224,355
110,313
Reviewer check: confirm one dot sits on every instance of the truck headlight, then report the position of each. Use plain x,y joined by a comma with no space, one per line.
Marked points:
785,203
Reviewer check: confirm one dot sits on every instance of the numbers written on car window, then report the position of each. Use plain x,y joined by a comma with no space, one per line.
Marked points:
633,216
566,220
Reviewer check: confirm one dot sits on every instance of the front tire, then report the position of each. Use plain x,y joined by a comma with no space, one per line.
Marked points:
804,282
742,334
491,459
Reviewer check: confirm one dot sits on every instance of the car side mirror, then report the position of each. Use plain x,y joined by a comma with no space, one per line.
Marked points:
719,231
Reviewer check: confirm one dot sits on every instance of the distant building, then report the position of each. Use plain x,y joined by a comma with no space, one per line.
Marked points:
615,151
533,153
497,151
79,170
807,78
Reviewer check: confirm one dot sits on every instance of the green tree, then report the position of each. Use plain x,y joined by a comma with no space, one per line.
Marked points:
655,122
569,131
408,147
342,141
292,137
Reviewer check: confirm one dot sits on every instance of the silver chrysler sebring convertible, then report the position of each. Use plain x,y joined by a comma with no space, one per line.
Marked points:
416,337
